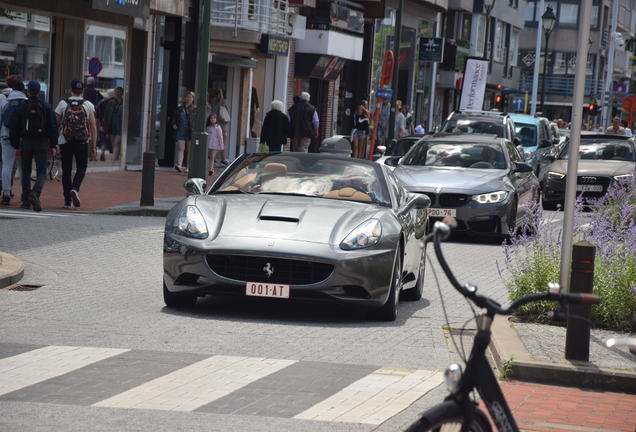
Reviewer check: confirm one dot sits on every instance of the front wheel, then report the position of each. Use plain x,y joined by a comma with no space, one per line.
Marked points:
450,421
174,300
389,311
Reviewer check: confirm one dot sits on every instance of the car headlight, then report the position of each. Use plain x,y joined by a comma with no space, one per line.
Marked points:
364,235
491,197
555,175
623,177
191,223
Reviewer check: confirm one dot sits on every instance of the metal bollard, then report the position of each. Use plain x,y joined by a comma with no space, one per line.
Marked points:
577,339
148,180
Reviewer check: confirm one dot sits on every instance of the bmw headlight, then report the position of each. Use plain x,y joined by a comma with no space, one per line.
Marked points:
491,197
190,223
364,235
623,177
555,175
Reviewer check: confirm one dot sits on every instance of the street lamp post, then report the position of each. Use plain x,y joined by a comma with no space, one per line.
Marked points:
488,5
548,20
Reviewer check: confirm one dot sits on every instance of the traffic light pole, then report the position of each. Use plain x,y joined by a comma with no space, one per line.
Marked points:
396,70
198,158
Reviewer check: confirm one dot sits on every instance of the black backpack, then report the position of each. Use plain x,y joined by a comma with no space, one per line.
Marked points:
34,119
75,121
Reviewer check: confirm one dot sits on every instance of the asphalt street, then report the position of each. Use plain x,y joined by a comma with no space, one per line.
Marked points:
99,351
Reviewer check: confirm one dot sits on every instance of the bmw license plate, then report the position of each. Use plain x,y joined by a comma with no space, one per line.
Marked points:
589,188
259,289
440,212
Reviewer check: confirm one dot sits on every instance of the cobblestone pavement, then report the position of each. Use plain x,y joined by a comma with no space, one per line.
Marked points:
101,278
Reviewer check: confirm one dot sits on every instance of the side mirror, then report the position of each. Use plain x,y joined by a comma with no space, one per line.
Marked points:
381,149
393,161
522,168
418,201
546,143
195,186
516,141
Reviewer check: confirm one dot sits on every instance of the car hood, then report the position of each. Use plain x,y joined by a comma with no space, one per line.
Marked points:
597,167
317,220
470,180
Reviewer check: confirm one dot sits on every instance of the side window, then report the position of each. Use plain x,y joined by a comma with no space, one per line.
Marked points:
512,152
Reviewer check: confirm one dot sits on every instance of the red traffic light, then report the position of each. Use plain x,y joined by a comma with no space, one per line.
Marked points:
499,86
498,99
591,107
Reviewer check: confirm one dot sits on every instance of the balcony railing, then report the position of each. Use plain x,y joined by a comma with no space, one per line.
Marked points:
264,16
560,84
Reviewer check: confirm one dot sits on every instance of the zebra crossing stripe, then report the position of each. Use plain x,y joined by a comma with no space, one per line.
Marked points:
196,385
31,214
376,397
41,364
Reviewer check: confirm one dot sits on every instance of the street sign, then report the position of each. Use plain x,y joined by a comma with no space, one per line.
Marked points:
629,104
519,103
385,93
94,66
528,60
431,49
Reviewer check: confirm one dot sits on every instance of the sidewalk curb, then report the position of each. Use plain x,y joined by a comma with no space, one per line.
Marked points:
11,270
134,211
511,354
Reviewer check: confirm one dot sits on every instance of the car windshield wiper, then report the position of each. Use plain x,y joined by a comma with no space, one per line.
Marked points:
287,193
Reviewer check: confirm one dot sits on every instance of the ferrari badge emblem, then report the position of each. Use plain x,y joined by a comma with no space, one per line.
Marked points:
269,270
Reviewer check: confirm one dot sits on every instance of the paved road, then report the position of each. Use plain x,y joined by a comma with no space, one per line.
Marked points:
95,349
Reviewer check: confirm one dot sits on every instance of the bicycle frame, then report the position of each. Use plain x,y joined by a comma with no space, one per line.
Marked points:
479,375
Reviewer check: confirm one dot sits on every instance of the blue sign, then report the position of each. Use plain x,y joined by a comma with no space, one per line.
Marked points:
94,66
519,103
384,93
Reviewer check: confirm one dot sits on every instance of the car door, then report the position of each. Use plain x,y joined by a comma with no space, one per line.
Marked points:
522,181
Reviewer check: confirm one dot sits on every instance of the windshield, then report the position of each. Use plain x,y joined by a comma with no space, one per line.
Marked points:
527,133
313,175
603,149
460,154
400,148
474,127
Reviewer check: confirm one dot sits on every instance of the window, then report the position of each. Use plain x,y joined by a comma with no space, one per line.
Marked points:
120,47
104,49
513,50
528,12
500,42
479,24
569,13
466,27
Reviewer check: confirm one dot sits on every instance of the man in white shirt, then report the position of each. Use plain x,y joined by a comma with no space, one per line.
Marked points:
400,124
79,137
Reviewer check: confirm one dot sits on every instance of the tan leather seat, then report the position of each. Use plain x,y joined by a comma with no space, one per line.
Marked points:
272,170
349,194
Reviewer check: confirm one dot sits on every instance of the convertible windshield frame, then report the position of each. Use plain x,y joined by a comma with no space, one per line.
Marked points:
449,126
305,174
563,155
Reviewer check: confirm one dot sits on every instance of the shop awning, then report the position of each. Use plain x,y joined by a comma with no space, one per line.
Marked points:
232,61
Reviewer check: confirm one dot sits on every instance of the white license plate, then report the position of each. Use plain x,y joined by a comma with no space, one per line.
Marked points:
440,212
589,188
259,289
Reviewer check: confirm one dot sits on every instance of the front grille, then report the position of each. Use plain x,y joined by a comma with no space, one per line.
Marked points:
255,269
453,200
432,196
593,180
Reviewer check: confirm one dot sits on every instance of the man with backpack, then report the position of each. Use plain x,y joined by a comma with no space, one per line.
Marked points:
8,108
33,133
79,138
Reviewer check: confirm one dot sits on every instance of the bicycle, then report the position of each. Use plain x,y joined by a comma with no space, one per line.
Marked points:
459,411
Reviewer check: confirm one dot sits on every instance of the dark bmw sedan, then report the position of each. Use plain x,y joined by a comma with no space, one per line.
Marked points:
478,179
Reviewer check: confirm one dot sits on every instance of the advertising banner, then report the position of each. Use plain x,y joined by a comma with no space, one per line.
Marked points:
474,84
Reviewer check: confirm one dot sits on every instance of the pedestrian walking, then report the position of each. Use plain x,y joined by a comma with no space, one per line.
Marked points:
218,107
304,123
215,140
115,124
8,108
91,94
400,124
408,121
275,128
182,123
360,132
33,133
79,138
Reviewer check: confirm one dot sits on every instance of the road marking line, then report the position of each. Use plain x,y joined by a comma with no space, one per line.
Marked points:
196,385
31,214
41,364
376,397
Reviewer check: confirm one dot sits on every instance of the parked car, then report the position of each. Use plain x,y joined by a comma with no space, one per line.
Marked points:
298,227
396,148
481,122
479,180
536,136
603,160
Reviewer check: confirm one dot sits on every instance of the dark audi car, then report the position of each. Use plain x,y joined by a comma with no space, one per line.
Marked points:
297,226
478,179
603,160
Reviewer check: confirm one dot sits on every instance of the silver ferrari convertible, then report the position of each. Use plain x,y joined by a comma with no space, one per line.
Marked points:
298,227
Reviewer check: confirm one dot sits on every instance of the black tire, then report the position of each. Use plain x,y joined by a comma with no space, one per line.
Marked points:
415,293
452,423
174,300
388,312
512,220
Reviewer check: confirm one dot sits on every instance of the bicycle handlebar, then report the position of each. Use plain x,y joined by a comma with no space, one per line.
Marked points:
442,230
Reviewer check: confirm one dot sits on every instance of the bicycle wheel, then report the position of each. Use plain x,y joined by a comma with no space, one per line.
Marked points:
447,417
